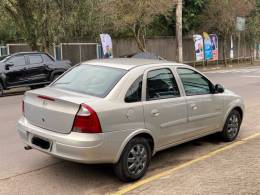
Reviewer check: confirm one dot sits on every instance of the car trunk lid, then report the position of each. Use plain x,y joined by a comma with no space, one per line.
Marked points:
53,109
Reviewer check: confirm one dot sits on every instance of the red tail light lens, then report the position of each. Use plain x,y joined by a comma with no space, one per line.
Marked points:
46,98
86,121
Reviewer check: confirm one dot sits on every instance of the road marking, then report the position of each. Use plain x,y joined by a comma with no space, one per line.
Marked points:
251,76
131,187
249,70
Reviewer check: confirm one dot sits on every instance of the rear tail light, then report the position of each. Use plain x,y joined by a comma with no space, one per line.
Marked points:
86,121
46,98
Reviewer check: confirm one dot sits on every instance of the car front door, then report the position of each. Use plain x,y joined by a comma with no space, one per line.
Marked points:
165,108
36,72
15,69
205,108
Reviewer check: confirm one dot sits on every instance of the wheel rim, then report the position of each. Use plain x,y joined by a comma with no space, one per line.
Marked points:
233,126
137,159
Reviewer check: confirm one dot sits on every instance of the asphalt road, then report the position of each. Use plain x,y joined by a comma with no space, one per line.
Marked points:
234,171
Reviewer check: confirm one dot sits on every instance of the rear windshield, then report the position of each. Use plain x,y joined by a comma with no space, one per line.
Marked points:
90,80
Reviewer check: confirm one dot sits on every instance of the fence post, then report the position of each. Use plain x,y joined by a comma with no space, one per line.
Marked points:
61,52
8,49
80,53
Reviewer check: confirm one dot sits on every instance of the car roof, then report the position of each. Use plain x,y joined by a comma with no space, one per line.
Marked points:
28,52
128,63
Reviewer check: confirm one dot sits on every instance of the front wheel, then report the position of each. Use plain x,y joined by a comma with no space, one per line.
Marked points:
134,160
232,126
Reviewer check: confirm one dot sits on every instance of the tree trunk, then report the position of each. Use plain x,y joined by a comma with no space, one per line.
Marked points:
139,38
224,49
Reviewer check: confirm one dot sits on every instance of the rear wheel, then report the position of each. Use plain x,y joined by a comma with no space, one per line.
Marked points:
1,90
134,160
232,126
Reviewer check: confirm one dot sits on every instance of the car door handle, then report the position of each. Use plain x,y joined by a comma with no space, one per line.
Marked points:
155,112
194,106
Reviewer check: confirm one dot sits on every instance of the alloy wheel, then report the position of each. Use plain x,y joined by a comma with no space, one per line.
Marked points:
137,159
233,126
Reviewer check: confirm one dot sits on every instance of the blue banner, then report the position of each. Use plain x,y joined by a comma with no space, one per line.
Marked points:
207,46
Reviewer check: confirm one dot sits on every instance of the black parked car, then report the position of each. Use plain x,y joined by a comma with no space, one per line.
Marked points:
32,69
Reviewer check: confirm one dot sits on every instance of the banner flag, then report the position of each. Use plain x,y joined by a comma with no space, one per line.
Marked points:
199,47
207,46
214,46
107,45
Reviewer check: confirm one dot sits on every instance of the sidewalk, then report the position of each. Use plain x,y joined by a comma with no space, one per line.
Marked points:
228,67
234,171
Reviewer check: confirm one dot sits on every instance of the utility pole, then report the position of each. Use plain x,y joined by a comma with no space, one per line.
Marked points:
179,31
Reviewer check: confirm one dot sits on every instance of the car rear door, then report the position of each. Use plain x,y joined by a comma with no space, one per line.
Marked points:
165,108
15,73
36,72
205,108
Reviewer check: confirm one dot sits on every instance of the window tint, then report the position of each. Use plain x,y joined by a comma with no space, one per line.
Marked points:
193,82
17,60
161,84
35,59
134,93
91,80
47,58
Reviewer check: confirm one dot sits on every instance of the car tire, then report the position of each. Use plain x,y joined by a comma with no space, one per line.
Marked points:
55,77
231,127
1,90
134,160
37,87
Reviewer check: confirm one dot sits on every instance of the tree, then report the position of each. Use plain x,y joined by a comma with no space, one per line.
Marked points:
8,30
79,19
253,28
35,20
220,16
135,15
165,25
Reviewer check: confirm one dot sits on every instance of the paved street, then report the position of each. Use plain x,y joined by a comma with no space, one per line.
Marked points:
232,171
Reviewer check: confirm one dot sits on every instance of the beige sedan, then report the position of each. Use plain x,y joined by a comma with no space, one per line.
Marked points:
123,111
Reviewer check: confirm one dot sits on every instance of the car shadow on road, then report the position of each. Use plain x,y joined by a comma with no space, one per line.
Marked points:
102,179
13,94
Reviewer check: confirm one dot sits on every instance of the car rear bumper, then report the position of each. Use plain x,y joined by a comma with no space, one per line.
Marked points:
78,147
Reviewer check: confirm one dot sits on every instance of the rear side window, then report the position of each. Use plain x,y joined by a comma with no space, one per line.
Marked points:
194,83
90,80
35,59
134,93
161,84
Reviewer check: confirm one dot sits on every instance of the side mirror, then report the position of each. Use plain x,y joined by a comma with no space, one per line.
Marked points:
7,66
219,88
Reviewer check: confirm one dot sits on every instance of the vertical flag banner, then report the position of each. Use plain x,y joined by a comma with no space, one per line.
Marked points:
214,46
107,45
231,48
207,47
199,47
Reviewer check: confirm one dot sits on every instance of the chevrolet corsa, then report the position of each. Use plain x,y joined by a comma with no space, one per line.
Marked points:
123,111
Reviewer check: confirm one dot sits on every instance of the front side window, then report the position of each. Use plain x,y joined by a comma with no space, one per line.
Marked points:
193,82
90,80
134,93
18,60
35,59
161,84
